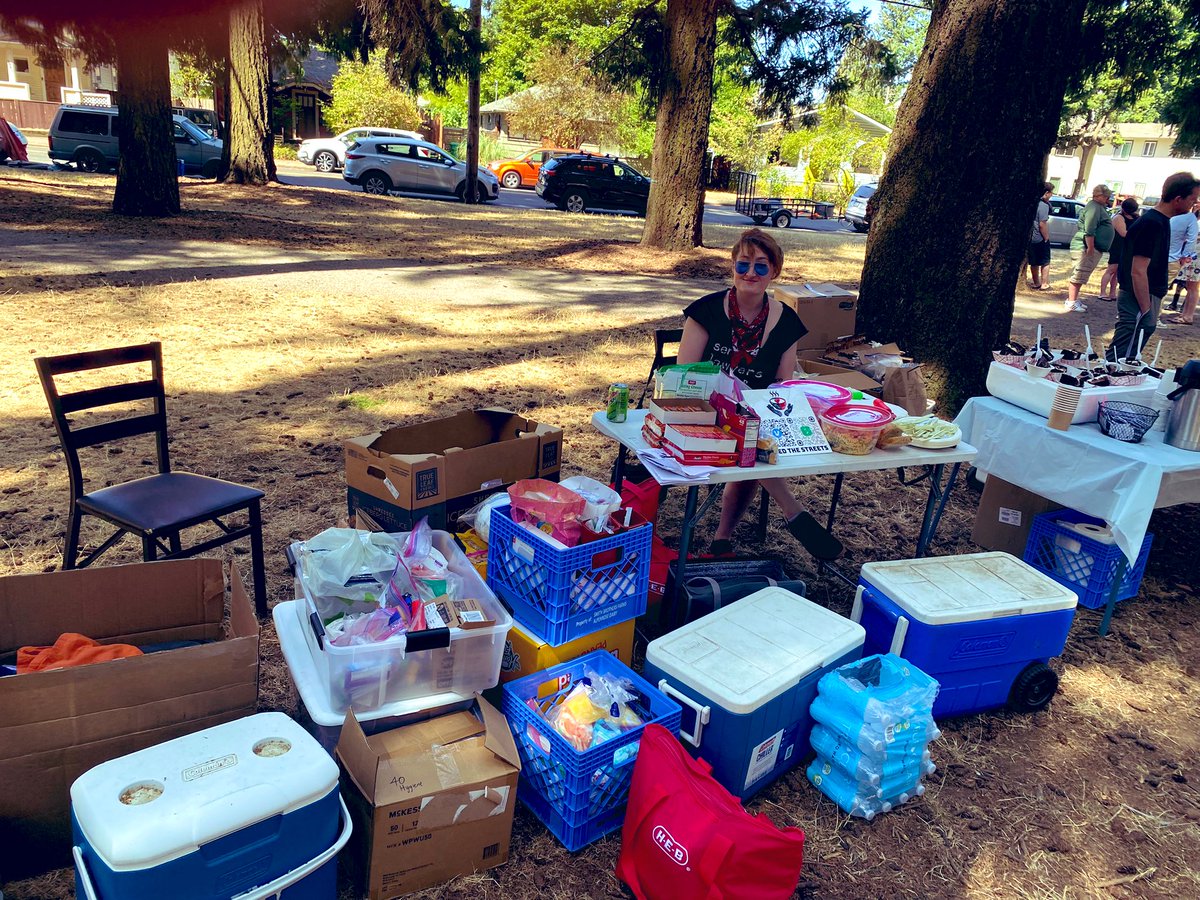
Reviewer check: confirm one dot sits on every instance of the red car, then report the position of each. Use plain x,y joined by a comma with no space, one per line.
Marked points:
523,171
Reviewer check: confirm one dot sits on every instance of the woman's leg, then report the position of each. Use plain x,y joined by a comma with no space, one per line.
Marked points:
781,493
734,503
1108,283
1189,305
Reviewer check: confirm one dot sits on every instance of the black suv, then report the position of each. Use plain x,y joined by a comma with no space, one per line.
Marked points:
580,181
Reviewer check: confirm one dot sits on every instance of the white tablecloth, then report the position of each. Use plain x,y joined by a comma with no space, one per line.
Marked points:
1082,468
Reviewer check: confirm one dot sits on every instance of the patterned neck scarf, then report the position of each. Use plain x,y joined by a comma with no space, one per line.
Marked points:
747,336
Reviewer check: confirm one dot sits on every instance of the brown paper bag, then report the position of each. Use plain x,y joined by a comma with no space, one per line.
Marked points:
904,386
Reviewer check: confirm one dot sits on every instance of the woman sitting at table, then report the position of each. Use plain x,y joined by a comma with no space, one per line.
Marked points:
752,338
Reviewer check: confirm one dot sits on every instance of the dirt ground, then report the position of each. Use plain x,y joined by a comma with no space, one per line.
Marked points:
294,318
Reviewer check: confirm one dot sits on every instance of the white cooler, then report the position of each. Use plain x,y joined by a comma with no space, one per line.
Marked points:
249,810
746,676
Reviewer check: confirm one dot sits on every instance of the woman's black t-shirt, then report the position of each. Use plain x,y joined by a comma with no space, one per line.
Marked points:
709,313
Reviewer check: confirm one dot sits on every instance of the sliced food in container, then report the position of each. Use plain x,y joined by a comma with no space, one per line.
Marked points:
930,432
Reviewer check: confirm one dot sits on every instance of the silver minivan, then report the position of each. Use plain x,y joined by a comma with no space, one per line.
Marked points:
383,164
87,137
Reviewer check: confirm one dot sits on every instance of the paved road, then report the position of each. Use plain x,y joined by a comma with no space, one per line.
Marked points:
291,172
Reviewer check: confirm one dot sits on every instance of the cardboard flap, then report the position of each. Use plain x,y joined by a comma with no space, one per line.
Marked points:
499,737
482,806
357,756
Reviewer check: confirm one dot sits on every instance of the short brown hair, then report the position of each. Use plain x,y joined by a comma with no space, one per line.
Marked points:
1048,186
756,237
1179,185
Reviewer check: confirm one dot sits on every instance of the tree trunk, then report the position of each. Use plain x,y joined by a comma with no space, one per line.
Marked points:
251,144
675,212
1087,152
955,204
472,185
147,182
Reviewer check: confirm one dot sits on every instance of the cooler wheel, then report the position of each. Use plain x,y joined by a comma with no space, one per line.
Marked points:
1033,688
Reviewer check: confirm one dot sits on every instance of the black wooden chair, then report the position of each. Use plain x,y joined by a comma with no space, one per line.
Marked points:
158,507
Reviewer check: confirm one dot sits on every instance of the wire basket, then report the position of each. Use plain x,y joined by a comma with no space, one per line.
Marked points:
1127,422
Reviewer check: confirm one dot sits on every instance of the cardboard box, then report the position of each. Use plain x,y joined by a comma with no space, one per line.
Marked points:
741,422
524,653
682,411
826,315
56,725
812,364
429,801
440,466
1005,516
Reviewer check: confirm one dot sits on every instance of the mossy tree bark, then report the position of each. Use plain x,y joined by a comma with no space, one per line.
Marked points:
675,211
956,201
147,183
251,154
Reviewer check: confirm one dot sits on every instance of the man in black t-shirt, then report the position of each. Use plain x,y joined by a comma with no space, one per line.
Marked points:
1142,272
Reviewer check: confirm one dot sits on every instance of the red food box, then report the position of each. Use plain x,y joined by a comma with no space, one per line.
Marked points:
742,423
700,445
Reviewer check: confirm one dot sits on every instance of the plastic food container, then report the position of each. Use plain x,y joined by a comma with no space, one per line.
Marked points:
461,661
854,428
821,394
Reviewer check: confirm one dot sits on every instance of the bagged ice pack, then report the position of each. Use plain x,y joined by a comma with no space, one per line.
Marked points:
849,794
872,768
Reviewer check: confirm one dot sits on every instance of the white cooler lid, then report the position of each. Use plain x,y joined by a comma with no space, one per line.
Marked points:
940,590
751,651
203,786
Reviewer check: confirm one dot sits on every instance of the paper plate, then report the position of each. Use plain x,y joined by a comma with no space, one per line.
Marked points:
951,440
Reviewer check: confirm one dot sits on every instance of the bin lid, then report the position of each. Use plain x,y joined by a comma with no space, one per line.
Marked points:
150,807
940,590
749,652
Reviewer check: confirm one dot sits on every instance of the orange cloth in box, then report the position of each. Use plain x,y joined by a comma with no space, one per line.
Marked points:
70,649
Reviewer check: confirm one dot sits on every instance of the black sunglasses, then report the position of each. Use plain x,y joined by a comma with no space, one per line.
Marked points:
761,269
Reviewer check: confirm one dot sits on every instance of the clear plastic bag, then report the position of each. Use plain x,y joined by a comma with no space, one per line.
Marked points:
479,516
346,570
421,573
368,628
601,500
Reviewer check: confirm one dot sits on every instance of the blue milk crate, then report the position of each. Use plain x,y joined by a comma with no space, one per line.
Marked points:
579,795
561,595
1082,563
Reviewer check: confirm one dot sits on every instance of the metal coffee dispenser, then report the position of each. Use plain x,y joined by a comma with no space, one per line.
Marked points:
1183,424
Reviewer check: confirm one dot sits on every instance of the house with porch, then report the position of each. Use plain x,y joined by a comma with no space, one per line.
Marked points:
31,91
1135,164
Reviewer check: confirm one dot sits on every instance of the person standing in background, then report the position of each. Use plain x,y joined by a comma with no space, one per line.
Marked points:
1092,240
1142,274
1183,264
1038,254
1125,216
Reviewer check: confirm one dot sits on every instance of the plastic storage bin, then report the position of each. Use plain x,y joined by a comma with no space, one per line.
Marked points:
579,795
560,595
746,676
409,667
247,809
984,625
1082,563
1037,394
325,722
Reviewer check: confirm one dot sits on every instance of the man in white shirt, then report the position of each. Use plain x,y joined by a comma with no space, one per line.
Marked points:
1183,263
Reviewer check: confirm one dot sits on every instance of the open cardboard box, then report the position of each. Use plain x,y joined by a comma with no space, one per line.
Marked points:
56,725
828,314
430,800
402,473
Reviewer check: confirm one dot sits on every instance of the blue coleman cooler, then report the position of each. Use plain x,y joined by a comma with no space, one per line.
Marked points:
984,625
248,810
746,676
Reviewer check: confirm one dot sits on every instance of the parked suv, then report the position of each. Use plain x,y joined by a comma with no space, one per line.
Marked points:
523,170
329,154
856,207
87,137
582,181
382,164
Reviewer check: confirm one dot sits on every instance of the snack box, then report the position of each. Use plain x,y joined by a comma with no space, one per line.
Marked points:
682,411
700,445
1037,394
742,423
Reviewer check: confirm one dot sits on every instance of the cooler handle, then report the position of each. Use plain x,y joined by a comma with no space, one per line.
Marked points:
85,877
703,713
898,636
285,881
857,609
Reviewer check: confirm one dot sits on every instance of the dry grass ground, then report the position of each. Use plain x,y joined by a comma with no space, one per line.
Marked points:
294,318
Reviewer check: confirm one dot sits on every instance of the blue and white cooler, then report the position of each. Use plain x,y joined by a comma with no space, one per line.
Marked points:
746,676
984,625
246,810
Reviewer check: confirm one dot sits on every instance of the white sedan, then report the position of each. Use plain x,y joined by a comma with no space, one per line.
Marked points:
329,154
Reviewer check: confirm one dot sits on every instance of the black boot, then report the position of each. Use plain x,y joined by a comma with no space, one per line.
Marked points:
815,538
